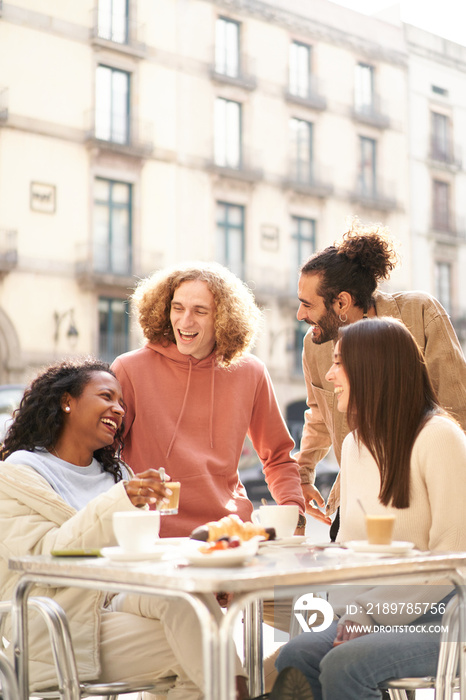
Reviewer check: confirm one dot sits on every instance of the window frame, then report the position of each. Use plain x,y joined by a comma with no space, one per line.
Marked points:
361,92
299,85
302,169
444,298
114,206
224,227
224,132
441,207
368,188
103,112
110,353
224,54
107,18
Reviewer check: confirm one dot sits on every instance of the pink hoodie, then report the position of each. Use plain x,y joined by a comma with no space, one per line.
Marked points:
191,417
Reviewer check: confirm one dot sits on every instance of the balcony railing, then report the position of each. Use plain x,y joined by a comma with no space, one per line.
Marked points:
3,104
120,31
445,153
105,264
120,133
448,230
374,113
238,71
305,176
8,250
311,97
244,167
375,195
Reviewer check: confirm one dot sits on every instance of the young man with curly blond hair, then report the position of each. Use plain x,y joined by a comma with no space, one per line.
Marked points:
193,392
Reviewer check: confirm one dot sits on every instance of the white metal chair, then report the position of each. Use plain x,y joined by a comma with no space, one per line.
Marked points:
446,682
68,684
8,684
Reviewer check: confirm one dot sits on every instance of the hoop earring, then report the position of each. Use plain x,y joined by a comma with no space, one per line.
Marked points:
343,320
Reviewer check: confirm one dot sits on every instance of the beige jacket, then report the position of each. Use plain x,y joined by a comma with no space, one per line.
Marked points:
34,519
325,426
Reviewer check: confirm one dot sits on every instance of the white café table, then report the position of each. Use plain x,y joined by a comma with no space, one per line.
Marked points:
275,572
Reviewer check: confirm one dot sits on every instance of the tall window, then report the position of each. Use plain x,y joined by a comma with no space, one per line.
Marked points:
301,150
113,20
112,105
300,69
230,237
303,240
112,227
113,328
443,284
367,172
440,136
364,88
227,133
227,51
441,202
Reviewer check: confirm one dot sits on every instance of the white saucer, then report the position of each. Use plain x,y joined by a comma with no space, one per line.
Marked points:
222,557
393,548
174,541
286,541
119,554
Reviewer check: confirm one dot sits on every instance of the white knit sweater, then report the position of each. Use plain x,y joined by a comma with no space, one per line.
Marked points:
433,521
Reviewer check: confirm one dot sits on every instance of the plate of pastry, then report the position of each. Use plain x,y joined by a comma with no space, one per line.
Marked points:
214,554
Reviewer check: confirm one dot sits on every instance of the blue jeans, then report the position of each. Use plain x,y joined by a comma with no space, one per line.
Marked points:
353,670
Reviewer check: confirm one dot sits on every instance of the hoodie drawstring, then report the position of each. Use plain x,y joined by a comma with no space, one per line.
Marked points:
212,387
185,398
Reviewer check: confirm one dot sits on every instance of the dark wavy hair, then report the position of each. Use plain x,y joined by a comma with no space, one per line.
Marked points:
38,421
354,264
391,398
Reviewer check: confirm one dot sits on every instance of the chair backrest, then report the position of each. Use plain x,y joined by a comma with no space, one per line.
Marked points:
68,685
445,682
8,682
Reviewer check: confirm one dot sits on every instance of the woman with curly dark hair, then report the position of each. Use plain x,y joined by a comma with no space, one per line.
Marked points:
62,480
40,423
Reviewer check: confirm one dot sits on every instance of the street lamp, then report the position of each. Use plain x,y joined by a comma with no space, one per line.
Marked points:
72,332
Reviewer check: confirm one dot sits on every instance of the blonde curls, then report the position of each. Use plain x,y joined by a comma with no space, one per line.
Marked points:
237,321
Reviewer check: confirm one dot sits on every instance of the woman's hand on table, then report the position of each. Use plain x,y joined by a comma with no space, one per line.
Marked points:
347,631
147,488
311,493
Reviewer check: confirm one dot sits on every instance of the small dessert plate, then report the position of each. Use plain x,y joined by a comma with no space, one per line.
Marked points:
393,548
119,554
286,541
222,557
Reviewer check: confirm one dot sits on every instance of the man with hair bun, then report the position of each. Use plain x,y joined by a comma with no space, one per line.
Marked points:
338,286
193,392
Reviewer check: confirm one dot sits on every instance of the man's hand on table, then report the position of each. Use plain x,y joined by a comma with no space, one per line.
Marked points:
311,493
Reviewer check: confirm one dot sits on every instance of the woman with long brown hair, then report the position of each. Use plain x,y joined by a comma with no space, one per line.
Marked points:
405,456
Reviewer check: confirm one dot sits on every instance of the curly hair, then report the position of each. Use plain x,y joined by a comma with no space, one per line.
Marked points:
356,263
39,419
237,318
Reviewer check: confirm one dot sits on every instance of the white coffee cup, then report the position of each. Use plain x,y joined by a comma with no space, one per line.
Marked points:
283,518
136,531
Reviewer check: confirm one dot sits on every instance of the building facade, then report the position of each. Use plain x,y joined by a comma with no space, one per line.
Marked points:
136,134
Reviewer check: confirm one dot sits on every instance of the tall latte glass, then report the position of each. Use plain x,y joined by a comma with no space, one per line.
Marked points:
171,508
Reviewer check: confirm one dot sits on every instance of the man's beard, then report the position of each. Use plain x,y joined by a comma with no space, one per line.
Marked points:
328,327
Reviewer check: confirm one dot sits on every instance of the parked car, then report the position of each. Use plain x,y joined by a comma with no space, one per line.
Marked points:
10,397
